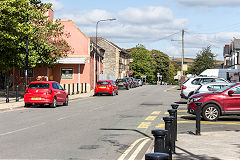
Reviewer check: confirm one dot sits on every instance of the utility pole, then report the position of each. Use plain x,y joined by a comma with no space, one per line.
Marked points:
182,51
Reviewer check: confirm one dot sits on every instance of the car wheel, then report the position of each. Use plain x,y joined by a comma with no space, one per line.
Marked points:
127,88
211,112
54,103
117,93
66,102
27,105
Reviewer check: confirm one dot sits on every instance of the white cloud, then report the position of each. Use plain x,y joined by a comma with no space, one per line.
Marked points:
56,5
210,3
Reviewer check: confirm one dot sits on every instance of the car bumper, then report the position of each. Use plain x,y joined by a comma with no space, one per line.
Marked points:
36,99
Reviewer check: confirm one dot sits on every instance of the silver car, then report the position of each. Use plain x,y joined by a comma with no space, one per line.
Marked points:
211,87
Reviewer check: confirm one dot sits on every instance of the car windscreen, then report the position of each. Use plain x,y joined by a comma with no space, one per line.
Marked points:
103,83
225,88
121,80
39,85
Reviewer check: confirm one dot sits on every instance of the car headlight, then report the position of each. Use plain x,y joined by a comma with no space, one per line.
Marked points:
195,99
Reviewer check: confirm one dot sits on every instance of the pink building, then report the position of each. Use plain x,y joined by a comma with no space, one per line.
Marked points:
77,67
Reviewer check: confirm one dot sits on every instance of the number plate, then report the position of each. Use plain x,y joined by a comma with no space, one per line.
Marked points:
120,83
36,98
102,87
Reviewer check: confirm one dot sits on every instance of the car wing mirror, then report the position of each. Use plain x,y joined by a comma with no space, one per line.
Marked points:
230,93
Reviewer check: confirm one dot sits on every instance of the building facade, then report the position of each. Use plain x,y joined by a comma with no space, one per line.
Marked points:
231,54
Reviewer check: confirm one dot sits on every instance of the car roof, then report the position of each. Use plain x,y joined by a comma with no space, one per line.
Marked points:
33,82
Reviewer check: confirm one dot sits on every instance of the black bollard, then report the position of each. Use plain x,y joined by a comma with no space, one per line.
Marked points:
175,106
68,89
72,88
82,88
17,97
173,127
64,86
157,156
7,96
168,124
85,87
159,140
77,88
198,117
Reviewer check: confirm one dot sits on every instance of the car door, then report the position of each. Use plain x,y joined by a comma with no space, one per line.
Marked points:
57,92
114,86
232,103
62,93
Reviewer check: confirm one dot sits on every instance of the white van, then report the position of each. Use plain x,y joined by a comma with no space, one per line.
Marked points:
232,75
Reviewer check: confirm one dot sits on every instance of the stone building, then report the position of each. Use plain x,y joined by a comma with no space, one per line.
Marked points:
116,60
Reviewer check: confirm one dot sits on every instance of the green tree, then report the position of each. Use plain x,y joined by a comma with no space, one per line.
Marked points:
204,60
142,63
20,19
163,65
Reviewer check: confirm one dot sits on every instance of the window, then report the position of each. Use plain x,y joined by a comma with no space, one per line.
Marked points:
59,86
219,80
214,87
67,73
55,86
207,80
236,90
39,85
30,72
196,81
103,83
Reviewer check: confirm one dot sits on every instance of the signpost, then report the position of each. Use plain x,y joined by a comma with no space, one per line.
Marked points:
143,76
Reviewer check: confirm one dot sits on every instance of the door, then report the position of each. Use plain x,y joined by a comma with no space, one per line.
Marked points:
57,92
232,103
62,93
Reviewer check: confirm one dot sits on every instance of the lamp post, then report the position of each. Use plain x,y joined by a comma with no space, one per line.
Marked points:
94,56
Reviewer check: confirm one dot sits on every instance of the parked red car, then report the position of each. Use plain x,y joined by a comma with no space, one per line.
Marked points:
225,101
45,92
106,87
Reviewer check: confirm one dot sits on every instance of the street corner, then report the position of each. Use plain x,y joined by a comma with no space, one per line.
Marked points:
138,149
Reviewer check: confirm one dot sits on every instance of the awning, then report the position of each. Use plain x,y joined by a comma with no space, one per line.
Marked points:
72,60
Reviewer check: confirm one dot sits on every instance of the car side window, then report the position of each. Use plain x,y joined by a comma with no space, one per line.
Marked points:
59,86
214,87
113,82
236,90
207,80
54,85
219,80
196,81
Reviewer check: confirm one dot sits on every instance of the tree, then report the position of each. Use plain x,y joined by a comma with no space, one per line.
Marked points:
142,63
204,60
24,19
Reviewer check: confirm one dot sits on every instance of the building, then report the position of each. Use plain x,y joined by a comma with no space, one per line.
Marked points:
231,54
116,60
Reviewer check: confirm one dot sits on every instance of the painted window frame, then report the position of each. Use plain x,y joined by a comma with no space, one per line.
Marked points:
66,77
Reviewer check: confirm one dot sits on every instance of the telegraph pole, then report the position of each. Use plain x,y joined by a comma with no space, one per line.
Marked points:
182,50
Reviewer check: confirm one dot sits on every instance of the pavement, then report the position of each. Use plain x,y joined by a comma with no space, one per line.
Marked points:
220,145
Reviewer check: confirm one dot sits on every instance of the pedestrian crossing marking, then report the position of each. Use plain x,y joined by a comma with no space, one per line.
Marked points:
144,125
160,125
156,112
150,118
182,110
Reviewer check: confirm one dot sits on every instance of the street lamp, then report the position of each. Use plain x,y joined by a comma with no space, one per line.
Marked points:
94,56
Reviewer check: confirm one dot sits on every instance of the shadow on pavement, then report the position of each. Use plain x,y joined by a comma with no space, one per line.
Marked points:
120,129
189,155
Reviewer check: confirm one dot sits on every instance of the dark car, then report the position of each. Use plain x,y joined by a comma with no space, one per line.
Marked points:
225,101
131,82
123,83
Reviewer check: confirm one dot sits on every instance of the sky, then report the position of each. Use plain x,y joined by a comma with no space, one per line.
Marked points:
157,24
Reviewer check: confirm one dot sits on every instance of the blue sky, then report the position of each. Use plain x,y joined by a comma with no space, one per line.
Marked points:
149,22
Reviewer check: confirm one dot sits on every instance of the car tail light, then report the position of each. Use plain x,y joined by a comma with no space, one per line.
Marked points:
26,91
184,87
125,83
49,91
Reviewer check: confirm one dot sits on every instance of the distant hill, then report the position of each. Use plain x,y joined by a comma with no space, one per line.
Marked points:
189,61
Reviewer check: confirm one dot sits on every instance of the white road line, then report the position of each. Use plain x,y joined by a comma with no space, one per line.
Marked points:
135,153
22,129
130,148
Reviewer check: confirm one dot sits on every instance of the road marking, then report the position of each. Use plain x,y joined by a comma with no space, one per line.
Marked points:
135,153
156,112
182,111
166,113
185,116
22,129
130,148
160,125
207,122
144,125
151,118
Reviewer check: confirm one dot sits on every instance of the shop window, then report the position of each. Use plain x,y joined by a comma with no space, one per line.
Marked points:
67,73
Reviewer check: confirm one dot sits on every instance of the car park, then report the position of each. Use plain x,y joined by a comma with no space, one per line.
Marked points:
225,101
123,83
45,92
191,84
211,87
106,87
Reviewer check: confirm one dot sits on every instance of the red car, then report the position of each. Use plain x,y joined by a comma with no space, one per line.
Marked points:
225,101
106,87
45,92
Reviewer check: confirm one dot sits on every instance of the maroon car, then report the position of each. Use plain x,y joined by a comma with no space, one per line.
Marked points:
225,101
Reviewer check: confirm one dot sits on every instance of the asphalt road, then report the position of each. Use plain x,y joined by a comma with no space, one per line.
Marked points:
94,128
